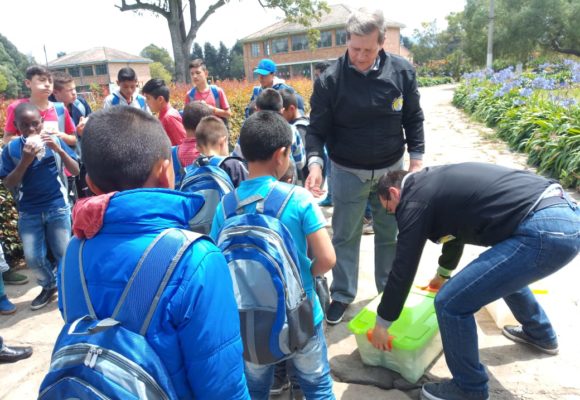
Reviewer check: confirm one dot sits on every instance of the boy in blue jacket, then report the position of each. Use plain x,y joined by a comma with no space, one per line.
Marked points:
195,330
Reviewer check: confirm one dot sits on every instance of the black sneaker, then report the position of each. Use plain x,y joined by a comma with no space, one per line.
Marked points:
447,390
517,334
335,312
43,298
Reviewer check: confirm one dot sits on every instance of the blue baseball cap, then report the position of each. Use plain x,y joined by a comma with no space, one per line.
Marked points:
265,67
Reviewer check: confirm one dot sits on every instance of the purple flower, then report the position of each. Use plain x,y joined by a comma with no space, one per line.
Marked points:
526,92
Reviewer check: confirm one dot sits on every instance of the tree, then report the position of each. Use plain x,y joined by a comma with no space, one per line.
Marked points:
160,55
210,56
237,61
183,26
158,71
197,52
13,65
222,68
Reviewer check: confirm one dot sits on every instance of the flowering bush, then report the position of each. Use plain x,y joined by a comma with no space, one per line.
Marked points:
536,112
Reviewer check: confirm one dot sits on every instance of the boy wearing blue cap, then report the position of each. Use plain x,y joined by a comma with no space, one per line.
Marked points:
266,71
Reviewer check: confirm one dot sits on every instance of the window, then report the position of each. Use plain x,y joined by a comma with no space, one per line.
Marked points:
280,45
283,71
101,69
75,72
325,39
302,70
299,42
83,89
266,48
87,70
340,37
255,49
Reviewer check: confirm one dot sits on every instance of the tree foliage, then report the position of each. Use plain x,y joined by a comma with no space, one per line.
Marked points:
13,64
158,71
522,28
159,55
185,18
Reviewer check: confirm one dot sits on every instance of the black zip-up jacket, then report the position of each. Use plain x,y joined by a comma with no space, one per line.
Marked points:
361,117
469,203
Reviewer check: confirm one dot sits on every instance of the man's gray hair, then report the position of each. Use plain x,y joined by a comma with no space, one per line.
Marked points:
363,22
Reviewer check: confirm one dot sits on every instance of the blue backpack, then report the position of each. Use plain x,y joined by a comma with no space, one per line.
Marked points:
205,177
178,169
140,99
108,357
276,317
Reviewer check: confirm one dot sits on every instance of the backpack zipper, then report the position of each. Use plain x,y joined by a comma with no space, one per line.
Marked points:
207,174
89,355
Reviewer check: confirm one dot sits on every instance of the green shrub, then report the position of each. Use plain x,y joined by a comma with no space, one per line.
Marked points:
536,112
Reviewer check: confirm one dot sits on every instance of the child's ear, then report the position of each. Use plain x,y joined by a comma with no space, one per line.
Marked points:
161,175
27,83
94,188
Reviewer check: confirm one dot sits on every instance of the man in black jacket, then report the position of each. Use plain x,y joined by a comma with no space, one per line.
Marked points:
533,229
365,109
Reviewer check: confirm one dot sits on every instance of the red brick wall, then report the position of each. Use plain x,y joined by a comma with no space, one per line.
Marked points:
392,40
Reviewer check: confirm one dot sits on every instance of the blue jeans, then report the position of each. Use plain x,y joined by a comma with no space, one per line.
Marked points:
310,367
350,196
40,232
543,243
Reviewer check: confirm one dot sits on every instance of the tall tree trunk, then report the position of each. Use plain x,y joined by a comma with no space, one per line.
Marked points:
180,52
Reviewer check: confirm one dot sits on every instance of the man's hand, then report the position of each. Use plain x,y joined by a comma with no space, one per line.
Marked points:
380,338
314,180
415,165
436,283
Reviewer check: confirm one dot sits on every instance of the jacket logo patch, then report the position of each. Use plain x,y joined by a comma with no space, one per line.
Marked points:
398,104
445,239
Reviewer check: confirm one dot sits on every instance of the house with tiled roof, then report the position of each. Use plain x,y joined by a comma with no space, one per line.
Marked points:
100,66
287,44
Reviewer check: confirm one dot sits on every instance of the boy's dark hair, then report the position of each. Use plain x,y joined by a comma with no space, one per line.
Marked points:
262,134
156,88
60,78
198,62
22,109
321,66
126,74
390,179
269,100
288,98
120,147
252,107
193,113
37,70
210,130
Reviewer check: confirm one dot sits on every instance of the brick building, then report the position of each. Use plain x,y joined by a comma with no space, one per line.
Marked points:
287,44
100,66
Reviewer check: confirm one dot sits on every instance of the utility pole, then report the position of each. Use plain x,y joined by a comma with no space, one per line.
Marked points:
489,62
45,57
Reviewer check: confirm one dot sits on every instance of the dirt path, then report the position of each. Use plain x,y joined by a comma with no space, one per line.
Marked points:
515,371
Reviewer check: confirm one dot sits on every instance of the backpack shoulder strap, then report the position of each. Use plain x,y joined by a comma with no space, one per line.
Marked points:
277,199
115,100
216,161
142,102
75,294
191,94
139,300
81,107
60,113
216,95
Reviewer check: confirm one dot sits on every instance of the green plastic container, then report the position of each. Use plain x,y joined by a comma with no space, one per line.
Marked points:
416,340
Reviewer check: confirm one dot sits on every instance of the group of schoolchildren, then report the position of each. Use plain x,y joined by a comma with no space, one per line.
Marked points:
152,307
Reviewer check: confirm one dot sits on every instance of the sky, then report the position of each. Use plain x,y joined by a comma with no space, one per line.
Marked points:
74,25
